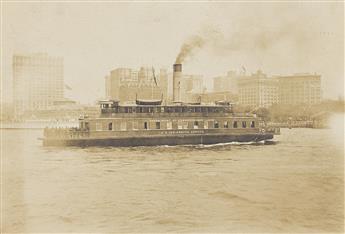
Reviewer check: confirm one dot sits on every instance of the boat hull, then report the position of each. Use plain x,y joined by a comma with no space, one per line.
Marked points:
159,140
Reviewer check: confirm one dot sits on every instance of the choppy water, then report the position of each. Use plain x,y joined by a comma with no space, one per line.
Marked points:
295,185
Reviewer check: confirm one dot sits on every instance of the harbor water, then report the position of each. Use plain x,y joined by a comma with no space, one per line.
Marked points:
294,185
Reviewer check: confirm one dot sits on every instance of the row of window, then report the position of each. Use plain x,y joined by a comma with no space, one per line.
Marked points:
165,109
134,125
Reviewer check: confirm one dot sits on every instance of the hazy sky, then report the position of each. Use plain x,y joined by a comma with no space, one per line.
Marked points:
94,38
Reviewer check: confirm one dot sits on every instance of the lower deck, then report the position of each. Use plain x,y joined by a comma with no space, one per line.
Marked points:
153,140
76,133
158,131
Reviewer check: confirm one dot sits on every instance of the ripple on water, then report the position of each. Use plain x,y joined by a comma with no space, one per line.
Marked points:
295,184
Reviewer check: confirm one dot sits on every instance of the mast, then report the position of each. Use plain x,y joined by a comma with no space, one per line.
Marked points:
154,79
151,90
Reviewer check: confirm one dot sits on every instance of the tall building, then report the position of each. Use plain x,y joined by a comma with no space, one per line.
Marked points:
258,90
38,81
117,78
190,85
127,84
226,83
300,89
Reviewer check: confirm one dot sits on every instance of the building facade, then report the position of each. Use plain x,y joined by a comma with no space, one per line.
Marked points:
191,85
126,84
226,83
258,90
38,81
300,89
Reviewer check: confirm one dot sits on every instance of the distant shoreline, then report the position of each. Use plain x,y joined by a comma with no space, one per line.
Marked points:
39,124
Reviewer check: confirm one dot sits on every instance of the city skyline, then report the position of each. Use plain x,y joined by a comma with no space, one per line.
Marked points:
112,38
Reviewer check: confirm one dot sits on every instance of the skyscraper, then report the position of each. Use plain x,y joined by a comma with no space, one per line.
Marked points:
127,84
300,89
258,90
226,83
38,81
191,85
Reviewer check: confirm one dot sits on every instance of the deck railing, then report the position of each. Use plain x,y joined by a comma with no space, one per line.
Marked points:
173,114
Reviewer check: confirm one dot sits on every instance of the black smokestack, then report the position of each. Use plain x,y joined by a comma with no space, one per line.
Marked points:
177,67
177,76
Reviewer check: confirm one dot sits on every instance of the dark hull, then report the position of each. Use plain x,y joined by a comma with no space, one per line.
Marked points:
160,140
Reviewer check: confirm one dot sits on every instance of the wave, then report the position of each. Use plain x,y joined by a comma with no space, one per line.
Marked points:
230,196
218,145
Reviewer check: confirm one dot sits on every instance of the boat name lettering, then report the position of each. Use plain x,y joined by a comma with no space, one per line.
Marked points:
182,132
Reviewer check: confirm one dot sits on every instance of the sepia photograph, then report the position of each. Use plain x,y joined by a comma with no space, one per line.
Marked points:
172,116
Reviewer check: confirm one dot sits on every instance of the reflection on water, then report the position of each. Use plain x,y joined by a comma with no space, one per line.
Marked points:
295,185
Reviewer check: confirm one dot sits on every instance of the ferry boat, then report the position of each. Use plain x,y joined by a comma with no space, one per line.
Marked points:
150,123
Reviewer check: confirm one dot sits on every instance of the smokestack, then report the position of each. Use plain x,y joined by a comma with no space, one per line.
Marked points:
177,75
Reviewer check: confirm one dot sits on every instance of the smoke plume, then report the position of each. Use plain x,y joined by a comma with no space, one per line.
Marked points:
193,44
247,39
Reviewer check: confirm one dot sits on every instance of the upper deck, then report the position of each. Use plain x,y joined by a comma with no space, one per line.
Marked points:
146,109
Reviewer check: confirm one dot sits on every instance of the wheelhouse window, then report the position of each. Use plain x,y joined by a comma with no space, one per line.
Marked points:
252,124
179,124
169,125
185,125
98,126
211,123
244,124
158,125
110,126
177,109
216,124
123,126
235,124
196,125
87,126
226,124
135,125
